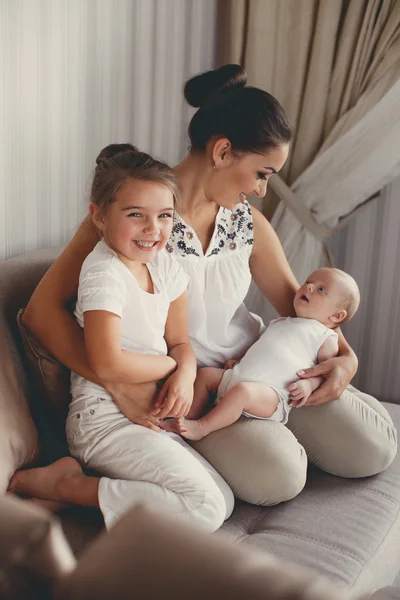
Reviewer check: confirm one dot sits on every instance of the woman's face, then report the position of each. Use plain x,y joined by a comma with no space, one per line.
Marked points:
237,178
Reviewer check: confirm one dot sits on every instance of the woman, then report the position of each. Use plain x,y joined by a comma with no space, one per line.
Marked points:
239,139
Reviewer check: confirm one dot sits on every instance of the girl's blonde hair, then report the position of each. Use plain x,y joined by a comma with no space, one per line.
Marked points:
119,163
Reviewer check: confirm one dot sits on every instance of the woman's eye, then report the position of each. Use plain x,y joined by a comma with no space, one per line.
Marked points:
262,176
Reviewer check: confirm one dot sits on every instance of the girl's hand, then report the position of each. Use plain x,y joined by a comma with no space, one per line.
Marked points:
176,396
137,402
338,372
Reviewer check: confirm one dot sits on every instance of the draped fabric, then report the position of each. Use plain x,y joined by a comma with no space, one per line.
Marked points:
335,67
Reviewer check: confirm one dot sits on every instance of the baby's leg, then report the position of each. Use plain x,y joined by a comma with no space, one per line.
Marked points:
255,398
207,381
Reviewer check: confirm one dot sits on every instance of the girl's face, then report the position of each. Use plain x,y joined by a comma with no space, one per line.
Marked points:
238,178
138,223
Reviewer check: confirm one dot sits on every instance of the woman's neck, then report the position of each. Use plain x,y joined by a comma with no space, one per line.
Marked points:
193,173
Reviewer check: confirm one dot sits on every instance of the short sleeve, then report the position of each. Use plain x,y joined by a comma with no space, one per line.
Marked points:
177,280
102,289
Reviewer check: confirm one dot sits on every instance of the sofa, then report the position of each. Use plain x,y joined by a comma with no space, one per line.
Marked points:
338,538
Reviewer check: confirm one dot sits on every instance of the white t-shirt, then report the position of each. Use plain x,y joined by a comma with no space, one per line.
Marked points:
105,283
288,345
220,326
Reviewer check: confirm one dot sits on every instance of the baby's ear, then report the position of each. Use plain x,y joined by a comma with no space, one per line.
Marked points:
339,316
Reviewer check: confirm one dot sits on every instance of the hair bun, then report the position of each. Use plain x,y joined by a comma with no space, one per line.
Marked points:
113,149
200,88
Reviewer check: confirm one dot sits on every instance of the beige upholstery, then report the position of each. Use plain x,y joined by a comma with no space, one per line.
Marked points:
153,555
33,550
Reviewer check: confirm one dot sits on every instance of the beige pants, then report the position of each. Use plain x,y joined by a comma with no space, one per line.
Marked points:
265,462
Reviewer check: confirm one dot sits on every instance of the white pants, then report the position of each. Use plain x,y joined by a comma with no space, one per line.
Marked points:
139,465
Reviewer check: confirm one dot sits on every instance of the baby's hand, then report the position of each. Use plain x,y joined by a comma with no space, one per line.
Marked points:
230,363
299,392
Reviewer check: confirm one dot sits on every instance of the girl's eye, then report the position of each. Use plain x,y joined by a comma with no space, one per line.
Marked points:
165,216
134,214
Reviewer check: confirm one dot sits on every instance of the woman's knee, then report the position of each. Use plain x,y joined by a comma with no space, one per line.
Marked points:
261,460
350,437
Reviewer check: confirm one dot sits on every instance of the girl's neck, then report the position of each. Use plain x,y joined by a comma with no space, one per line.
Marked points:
193,173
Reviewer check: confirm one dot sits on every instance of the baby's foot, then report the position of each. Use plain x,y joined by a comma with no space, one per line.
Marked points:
45,482
191,430
170,425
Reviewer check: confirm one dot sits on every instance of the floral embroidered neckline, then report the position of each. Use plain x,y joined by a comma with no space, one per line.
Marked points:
233,230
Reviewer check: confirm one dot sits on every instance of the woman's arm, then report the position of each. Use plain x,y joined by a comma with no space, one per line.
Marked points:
273,275
47,316
270,268
110,362
49,319
176,395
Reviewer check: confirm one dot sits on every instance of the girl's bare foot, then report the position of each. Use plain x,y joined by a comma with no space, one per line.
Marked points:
46,483
191,430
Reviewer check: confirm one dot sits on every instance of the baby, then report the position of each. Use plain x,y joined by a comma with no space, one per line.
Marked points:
256,386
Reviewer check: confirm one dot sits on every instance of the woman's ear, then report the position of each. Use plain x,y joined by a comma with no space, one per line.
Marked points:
221,153
339,316
96,215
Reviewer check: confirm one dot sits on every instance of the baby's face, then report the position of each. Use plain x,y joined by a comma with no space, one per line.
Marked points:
320,298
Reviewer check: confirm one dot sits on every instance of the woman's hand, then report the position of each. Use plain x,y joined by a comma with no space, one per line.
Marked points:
137,402
337,372
176,396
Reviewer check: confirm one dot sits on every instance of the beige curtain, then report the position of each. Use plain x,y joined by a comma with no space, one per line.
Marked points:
335,67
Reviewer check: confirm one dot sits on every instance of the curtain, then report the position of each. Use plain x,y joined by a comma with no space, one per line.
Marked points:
335,67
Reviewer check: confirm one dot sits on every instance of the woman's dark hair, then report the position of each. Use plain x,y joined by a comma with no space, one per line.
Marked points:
249,117
119,163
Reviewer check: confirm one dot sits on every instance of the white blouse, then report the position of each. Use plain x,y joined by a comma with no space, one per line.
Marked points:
220,326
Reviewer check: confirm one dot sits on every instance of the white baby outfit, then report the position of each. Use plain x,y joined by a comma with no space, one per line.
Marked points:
135,463
288,345
220,326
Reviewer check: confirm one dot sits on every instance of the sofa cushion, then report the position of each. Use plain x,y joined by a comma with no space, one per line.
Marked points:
347,529
33,551
149,554
50,386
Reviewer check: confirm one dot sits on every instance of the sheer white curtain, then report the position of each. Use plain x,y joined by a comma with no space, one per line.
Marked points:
76,75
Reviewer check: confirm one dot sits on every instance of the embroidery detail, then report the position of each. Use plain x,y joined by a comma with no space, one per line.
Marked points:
234,229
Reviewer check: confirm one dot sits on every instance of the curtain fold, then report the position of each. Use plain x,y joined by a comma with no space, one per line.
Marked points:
335,67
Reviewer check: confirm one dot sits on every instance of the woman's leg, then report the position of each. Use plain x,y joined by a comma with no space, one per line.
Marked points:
262,461
353,436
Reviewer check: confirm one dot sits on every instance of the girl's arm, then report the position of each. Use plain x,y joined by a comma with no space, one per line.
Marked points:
273,275
176,395
110,362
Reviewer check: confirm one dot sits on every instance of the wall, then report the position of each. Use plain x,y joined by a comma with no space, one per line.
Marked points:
369,249
75,76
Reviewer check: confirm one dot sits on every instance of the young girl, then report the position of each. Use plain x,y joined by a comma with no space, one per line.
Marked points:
132,306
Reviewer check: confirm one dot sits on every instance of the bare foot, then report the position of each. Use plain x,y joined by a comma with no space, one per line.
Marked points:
50,505
170,425
191,430
44,482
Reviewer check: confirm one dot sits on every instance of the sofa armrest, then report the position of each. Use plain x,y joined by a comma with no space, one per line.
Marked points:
33,551
153,555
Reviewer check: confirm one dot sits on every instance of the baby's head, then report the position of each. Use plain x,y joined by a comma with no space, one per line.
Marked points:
132,201
329,295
